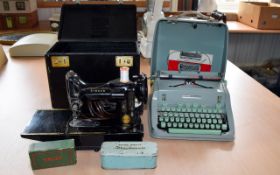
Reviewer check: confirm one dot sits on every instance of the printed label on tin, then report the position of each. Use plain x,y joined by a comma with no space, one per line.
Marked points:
124,61
60,61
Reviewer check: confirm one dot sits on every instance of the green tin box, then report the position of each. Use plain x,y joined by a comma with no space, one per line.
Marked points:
52,154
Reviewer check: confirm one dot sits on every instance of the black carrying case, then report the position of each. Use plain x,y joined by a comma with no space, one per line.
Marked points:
90,37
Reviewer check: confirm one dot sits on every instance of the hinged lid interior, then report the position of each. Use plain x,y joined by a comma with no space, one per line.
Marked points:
190,36
83,22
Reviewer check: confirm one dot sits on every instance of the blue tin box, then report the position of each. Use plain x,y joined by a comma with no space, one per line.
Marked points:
128,155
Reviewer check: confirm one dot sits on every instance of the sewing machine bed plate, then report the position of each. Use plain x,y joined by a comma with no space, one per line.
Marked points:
47,125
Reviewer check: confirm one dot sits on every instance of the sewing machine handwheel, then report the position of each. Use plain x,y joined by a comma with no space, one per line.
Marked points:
144,88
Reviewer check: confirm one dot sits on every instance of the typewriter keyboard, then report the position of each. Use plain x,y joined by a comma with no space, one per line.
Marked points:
192,119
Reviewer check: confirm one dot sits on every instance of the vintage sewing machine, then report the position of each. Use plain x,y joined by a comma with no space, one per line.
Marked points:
117,103
93,103
98,112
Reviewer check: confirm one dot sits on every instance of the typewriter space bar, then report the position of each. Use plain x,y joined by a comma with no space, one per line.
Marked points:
194,131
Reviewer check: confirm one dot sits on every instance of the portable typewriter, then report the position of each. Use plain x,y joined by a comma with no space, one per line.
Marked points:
190,99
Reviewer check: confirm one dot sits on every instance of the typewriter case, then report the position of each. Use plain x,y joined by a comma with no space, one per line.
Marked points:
90,37
191,35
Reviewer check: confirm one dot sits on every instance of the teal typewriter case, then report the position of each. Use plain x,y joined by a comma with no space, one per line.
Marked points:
192,36
188,67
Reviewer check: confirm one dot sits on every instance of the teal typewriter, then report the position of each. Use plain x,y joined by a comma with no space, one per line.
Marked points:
189,97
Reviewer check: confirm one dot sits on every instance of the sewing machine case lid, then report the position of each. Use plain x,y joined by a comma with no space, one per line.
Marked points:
189,35
91,22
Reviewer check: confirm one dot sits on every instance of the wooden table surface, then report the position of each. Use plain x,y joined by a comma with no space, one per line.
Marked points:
255,150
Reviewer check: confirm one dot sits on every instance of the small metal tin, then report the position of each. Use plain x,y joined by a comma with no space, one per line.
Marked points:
128,155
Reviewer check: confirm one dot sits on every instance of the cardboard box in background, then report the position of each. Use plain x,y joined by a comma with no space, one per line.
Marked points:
260,15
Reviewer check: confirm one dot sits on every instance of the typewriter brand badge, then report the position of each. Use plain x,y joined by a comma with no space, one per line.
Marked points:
60,61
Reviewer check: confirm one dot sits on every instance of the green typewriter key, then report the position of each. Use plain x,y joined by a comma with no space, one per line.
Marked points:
194,131
218,116
215,121
204,110
193,120
210,110
168,109
180,125
224,127
215,111
201,126
191,125
162,124
169,125
203,120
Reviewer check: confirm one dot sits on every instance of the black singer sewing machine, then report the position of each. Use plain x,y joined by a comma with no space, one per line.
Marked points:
98,112
114,103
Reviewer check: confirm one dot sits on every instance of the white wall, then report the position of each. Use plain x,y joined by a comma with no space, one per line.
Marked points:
46,13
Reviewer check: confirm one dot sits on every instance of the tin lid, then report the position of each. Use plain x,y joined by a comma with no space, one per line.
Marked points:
190,40
90,22
135,149
52,145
